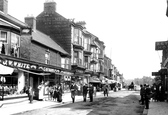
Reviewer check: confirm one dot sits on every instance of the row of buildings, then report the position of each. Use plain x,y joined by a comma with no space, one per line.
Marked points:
161,76
52,49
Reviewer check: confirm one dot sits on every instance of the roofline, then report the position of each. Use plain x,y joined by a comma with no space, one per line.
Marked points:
5,17
50,48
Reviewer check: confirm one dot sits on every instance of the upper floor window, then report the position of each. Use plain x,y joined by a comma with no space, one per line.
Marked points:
3,42
15,45
47,57
87,44
77,36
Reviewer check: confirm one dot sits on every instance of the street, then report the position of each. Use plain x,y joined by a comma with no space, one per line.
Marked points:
117,103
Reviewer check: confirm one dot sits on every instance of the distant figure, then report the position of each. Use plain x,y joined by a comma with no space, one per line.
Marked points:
142,94
147,96
94,89
106,89
73,89
85,90
41,91
91,92
30,94
59,98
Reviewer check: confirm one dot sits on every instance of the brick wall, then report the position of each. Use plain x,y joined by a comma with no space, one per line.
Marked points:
25,42
57,27
38,54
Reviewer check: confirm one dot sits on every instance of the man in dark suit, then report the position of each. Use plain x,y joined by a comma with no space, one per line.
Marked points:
85,90
147,96
91,92
73,89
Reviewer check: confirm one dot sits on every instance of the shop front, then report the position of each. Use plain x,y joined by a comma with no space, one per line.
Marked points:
23,73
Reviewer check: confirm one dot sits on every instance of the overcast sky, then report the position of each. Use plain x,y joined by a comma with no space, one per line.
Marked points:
129,28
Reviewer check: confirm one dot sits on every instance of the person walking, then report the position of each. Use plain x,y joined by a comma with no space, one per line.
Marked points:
30,94
147,96
142,94
59,98
55,93
73,89
85,90
91,92
106,89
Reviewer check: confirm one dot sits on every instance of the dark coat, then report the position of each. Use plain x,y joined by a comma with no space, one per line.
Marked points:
85,89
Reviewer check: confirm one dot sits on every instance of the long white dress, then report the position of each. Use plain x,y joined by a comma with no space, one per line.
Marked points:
41,92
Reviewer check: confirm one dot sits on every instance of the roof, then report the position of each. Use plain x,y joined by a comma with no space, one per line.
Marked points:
13,20
47,41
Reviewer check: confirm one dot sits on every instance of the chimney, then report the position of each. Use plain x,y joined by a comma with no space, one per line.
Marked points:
82,23
31,21
50,6
4,6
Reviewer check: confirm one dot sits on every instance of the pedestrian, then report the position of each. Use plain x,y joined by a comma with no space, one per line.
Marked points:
30,94
41,91
142,94
85,90
147,96
91,92
106,89
73,89
94,89
55,93
59,98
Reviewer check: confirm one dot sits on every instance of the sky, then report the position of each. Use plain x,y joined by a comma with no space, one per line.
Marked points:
129,28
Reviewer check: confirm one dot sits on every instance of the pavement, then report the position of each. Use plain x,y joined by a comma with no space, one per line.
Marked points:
156,108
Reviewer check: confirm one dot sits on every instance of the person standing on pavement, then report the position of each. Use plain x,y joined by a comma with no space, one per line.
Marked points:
91,92
142,94
85,90
73,89
59,99
30,94
147,96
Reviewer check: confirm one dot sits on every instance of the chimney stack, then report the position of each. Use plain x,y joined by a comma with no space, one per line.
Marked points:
4,6
31,21
50,6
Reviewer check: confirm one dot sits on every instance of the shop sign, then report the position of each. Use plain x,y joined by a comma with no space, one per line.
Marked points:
161,45
23,65
79,71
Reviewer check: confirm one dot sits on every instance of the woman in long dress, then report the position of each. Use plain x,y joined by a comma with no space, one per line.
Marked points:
41,91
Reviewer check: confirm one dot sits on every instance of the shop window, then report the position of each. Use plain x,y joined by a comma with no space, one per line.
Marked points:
15,45
47,57
3,42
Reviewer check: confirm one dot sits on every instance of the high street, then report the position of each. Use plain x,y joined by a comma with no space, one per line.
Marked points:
118,103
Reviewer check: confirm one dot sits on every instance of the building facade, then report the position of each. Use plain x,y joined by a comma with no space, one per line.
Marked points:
30,55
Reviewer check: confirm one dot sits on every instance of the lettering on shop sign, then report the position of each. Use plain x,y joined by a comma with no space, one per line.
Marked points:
16,64
79,71
22,65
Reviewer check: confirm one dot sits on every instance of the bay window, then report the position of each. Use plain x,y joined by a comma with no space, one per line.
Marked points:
77,37
3,42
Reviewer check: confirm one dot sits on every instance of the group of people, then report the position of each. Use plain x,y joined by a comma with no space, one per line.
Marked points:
55,93
148,93
87,89
145,93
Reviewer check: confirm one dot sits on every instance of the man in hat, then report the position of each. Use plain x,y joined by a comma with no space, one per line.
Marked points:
73,89
85,90
147,96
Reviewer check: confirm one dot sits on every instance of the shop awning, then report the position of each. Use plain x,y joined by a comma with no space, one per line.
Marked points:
94,80
4,70
33,72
